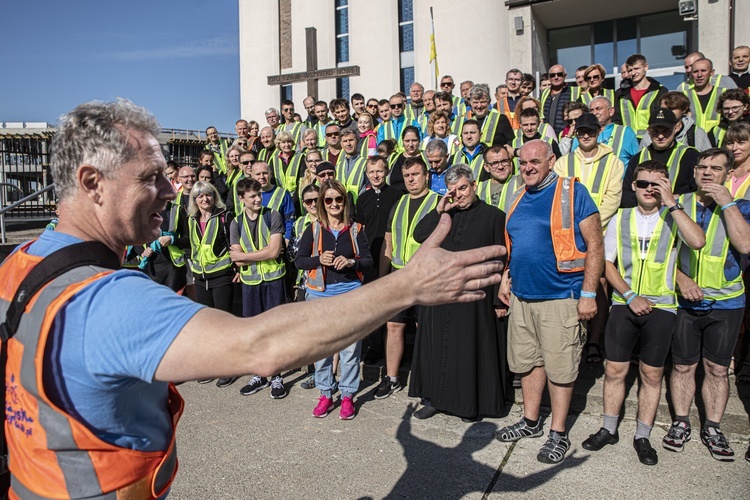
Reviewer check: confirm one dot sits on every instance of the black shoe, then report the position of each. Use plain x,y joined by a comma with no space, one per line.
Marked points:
387,387
470,420
646,453
602,438
278,391
256,383
425,412
226,382
205,380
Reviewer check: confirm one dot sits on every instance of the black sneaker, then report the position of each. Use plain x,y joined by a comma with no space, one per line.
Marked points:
602,438
226,382
717,444
256,383
677,436
554,449
519,430
387,387
278,391
646,453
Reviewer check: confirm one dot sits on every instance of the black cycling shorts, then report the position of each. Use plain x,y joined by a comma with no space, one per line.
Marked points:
624,328
716,332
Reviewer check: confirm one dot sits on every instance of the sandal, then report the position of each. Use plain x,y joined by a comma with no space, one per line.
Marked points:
593,354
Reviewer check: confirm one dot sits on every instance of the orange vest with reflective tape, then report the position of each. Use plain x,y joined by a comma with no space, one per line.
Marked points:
562,226
52,455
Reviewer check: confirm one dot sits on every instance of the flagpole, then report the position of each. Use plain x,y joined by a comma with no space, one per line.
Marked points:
433,50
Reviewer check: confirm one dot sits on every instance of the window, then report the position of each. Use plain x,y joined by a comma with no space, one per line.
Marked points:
609,43
342,45
286,92
406,43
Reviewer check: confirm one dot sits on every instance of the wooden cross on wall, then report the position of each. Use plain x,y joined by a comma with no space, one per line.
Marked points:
313,74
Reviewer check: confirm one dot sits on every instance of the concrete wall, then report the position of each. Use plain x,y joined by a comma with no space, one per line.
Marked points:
741,22
259,57
713,32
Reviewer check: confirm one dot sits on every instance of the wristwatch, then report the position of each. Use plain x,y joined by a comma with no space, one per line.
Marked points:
677,206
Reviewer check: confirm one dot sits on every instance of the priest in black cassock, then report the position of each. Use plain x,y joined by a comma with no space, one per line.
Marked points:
459,362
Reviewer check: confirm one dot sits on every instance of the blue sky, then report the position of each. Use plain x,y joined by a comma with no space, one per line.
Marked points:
178,58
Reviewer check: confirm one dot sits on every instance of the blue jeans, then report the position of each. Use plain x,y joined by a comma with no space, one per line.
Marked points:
348,364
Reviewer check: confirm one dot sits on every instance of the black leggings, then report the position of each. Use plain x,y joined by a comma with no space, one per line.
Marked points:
219,297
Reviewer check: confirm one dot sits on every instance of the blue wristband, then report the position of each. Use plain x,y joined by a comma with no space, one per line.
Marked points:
630,299
588,295
730,204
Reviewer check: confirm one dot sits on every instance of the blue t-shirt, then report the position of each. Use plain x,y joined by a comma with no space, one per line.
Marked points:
437,182
533,267
104,348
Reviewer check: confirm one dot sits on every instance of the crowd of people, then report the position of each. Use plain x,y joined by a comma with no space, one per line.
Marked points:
642,255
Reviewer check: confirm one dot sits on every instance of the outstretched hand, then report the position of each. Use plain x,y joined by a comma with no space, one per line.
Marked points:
437,276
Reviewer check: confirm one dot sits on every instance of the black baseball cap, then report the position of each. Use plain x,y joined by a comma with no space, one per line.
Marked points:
663,117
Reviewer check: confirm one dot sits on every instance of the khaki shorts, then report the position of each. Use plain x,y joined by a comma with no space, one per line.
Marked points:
546,333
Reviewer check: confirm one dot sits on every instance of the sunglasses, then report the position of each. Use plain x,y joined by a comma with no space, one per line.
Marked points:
556,75
446,84
397,106
645,184
333,134
592,78
338,199
309,201
570,121
327,173
586,131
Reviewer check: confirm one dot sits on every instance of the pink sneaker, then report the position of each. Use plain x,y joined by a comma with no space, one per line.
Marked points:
325,406
347,409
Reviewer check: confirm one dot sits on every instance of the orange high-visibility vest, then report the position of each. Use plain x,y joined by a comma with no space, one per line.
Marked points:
316,278
562,229
53,455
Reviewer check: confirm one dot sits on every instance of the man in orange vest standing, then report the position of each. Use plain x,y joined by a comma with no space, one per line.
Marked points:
550,285
90,410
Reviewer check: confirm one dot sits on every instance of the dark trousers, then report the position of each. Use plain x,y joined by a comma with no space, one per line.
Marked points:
219,297
262,297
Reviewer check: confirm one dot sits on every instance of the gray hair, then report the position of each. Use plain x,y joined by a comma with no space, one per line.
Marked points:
602,98
480,91
96,133
456,172
203,187
271,110
436,145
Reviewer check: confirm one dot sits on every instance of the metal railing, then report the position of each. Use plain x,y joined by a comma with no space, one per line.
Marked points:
16,204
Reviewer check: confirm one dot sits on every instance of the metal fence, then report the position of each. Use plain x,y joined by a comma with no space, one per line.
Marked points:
24,164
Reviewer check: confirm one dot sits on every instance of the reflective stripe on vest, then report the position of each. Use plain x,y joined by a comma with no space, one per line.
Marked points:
616,139
353,179
402,232
637,118
265,270
651,277
709,117
277,198
586,97
294,128
743,191
489,127
287,176
511,185
673,163
52,455
477,164
716,136
316,278
597,178
518,142
562,222
706,266
175,253
202,258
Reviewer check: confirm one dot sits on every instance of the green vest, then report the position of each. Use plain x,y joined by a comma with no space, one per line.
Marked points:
706,266
637,118
175,253
220,157
652,277
402,230
264,270
288,176
476,164
673,164
203,261
511,185
709,117
518,142
277,198
716,136
295,129
616,139
586,97
596,183
352,178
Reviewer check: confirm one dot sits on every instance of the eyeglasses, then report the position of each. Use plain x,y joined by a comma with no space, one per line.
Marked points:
397,106
333,134
327,173
310,160
493,164
309,201
641,184
592,78
338,199
570,121
247,162
733,109
557,75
